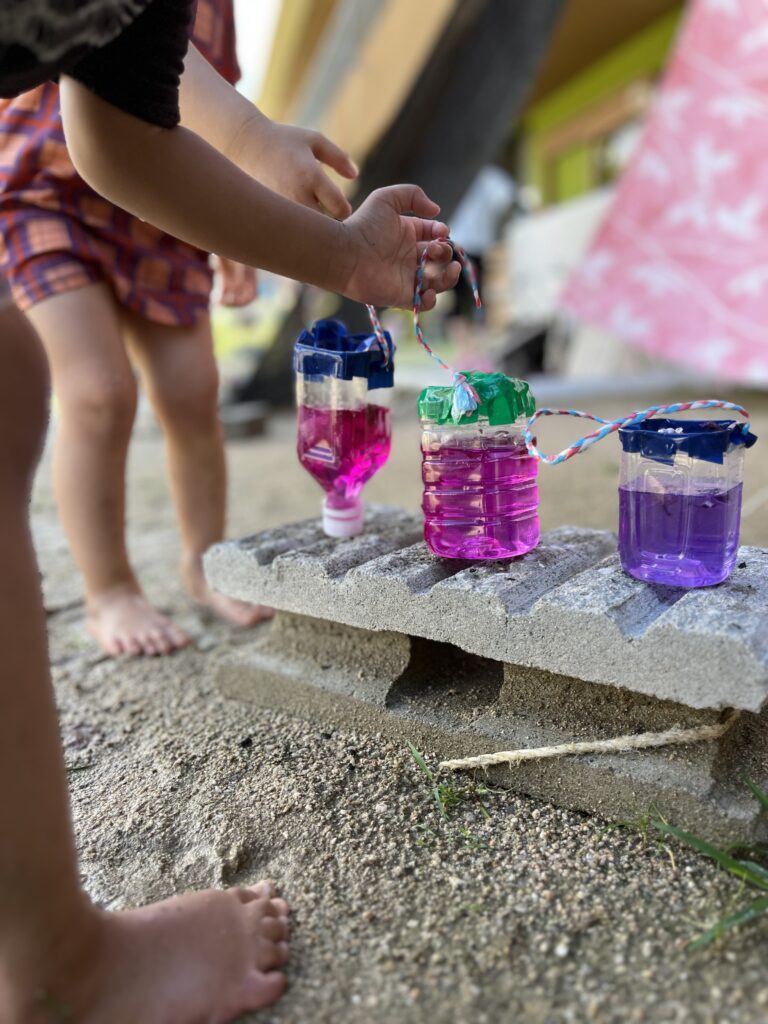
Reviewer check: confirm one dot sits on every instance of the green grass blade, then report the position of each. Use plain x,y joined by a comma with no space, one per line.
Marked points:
735,867
436,794
421,762
758,794
752,910
439,801
758,869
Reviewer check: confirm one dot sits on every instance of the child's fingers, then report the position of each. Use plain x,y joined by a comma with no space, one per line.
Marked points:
440,276
437,251
247,285
239,283
331,197
329,153
412,199
250,289
429,230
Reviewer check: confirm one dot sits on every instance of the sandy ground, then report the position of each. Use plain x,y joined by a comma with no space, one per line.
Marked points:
533,914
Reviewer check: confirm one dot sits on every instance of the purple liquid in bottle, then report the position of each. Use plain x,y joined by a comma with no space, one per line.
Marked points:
480,498
679,539
343,448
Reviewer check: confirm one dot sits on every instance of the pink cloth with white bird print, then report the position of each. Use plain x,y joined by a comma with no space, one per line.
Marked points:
679,267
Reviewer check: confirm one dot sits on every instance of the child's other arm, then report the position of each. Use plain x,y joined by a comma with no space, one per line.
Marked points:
283,157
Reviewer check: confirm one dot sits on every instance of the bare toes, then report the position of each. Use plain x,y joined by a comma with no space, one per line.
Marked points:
124,622
267,955
239,613
250,614
147,645
242,614
274,928
263,989
283,953
130,646
259,891
177,637
161,641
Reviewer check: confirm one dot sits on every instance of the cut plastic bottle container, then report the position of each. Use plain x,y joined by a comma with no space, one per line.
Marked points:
680,500
343,390
480,485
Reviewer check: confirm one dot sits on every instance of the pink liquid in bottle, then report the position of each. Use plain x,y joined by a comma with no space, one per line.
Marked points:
343,448
480,498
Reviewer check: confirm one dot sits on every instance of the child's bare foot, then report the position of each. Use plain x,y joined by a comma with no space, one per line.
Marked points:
124,622
239,613
209,956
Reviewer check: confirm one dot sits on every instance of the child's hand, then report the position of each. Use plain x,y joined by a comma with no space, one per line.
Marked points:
239,283
386,247
289,162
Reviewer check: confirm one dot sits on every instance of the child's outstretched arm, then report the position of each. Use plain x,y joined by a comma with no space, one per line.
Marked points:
285,158
177,181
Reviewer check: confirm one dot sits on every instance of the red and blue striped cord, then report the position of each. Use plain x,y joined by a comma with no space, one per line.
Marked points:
611,426
466,398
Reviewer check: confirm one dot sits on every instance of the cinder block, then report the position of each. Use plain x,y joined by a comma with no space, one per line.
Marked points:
564,608
557,646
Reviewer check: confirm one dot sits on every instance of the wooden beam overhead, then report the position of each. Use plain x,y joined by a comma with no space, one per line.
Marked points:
589,29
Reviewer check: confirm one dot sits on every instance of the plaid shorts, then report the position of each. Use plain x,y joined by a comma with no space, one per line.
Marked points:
44,253
57,234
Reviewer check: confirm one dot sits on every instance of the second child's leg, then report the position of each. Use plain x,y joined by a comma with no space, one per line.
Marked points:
181,379
95,387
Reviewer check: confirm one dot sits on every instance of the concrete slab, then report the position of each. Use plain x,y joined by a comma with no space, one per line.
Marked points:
566,608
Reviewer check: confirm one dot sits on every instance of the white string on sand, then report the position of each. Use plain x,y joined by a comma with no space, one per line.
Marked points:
640,741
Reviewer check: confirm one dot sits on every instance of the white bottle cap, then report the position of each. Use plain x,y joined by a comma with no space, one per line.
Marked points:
343,522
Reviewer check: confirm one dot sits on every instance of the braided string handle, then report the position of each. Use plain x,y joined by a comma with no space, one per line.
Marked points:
378,330
611,426
465,398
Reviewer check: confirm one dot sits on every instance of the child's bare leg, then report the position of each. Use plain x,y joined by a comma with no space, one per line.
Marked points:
96,390
180,375
60,958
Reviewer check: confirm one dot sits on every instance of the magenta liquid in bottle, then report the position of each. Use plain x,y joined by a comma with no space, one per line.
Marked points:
480,489
343,448
680,500
342,387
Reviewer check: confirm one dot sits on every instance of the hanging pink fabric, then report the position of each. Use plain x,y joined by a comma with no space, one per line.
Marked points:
679,267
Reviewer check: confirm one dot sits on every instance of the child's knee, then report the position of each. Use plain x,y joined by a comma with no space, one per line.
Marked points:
192,402
100,404
24,390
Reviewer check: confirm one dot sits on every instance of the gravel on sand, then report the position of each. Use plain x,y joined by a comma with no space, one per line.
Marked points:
530,914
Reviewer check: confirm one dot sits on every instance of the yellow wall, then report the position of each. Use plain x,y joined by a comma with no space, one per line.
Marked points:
390,60
380,75
299,28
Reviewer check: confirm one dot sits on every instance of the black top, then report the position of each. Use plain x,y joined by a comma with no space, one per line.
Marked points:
137,70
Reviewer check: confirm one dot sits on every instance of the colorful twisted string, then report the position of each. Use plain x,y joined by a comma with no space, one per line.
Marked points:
378,330
466,398
610,426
